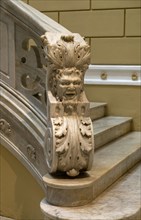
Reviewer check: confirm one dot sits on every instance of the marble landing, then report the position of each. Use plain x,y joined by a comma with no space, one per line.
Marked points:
120,201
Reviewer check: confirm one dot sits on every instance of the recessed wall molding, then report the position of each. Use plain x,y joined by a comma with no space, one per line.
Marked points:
115,75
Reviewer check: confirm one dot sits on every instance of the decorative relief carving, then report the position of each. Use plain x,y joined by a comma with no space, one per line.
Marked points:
4,49
30,78
5,126
31,152
30,72
34,84
68,60
69,138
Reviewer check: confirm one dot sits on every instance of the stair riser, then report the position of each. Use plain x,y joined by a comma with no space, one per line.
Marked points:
111,134
116,172
97,112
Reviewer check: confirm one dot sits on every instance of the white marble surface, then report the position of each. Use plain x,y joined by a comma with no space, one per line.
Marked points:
97,110
5,218
109,122
114,159
121,201
109,128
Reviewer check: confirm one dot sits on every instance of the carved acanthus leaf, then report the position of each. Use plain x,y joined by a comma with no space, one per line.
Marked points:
85,130
61,129
66,52
85,127
58,121
85,146
62,148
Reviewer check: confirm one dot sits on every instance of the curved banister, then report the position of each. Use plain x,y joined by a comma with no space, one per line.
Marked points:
45,119
18,99
31,17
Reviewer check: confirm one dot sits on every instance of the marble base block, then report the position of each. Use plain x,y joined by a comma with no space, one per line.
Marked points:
68,192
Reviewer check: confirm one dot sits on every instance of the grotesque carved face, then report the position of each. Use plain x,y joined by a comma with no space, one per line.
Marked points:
69,84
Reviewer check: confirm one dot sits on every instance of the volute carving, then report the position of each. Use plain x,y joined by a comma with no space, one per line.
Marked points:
69,138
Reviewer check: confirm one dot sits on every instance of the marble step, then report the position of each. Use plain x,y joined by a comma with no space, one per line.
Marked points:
109,128
114,159
120,201
97,110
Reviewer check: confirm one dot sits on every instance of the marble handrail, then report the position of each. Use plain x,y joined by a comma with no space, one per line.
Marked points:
32,17
42,73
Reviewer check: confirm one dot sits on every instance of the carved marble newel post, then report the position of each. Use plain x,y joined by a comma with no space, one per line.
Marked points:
69,144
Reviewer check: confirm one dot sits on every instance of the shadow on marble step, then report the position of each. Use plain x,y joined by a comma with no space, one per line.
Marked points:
122,200
97,110
109,128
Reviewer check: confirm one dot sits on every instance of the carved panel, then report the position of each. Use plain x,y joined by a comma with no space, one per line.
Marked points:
30,80
7,48
4,47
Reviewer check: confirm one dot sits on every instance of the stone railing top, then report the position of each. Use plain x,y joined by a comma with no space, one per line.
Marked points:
36,20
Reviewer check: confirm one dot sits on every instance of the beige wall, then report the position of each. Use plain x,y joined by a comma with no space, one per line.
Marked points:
121,100
20,194
112,27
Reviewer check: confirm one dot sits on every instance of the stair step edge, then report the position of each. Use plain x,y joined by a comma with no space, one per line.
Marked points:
125,153
112,204
97,110
110,128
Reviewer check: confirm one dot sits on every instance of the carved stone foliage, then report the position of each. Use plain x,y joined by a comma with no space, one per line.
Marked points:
69,138
5,127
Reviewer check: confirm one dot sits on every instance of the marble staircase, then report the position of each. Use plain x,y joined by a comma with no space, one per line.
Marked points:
112,186
115,172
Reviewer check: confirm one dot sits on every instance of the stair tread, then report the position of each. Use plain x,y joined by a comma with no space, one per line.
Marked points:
113,153
115,159
108,122
120,201
97,110
110,128
97,104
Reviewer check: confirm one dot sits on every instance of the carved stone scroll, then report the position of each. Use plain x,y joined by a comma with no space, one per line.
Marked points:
69,143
